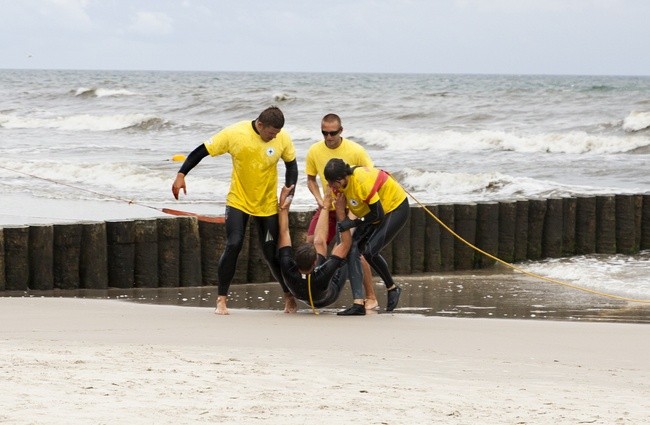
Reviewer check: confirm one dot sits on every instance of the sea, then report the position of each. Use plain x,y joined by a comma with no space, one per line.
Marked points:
99,145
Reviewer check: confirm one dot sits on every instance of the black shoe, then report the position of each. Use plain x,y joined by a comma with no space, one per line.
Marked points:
353,310
393,298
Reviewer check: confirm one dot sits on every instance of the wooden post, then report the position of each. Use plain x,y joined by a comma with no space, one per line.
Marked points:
507,223
3,279
432,241
536,214
645,223
521,231
401,248
625,224
605,224
418,236
210,236
146,253
585,225
553,235
190,251
446,215
41,257
465,227
16,244
569,206
168,252
120,237
93,267
487,233
67,254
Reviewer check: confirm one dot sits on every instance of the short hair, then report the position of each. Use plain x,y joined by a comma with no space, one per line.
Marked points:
336,169
272,116
305,256
332,118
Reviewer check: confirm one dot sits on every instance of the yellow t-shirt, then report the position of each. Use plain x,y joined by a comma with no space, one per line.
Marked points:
318,155
360,184
254,179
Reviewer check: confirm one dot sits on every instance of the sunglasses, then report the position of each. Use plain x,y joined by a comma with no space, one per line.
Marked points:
331,133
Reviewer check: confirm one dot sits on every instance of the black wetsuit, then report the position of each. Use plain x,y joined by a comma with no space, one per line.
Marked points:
327,278
372,237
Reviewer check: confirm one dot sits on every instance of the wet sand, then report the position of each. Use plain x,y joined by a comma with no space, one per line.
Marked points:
493,293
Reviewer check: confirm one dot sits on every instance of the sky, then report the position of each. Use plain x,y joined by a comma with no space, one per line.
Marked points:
575,37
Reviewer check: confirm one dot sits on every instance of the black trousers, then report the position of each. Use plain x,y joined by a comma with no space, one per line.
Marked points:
267,229
372,238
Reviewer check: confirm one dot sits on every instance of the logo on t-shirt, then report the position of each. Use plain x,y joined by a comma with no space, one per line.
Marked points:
270,152
354,202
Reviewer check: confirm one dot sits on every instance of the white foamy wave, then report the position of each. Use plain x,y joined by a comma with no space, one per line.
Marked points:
123,180
85,122
100,92
576,142
439,187
620,275
636,121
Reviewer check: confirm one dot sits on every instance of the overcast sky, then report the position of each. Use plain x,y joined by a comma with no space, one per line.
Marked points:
595,37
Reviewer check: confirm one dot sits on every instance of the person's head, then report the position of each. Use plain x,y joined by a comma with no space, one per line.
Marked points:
330,127
336,173
269,123
305,257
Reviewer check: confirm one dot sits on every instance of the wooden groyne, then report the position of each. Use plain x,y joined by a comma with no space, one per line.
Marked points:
182,251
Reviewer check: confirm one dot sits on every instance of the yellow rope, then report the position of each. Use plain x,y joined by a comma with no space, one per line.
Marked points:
311,300
512,266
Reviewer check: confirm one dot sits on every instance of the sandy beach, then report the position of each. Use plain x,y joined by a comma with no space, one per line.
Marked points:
66,360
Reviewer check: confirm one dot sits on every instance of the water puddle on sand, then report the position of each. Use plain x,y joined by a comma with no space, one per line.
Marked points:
470,295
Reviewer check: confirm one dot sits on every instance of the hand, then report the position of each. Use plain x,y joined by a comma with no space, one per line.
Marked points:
346,224
340,202
327,200
285,197
179,183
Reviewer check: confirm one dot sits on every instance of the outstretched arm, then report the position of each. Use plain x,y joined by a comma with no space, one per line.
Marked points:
322,227
314,188
284,236
341,250
190,162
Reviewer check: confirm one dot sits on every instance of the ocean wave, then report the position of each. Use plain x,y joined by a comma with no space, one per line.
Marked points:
575,142
86,122
636,121
101,92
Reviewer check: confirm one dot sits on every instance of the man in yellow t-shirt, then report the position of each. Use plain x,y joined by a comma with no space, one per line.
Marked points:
382,207
255,148
334,145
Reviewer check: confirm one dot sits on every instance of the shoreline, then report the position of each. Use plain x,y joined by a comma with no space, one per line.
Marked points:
487,293
100,361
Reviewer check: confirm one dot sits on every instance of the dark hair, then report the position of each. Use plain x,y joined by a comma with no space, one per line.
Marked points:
332,117
272,116
305,256
336,169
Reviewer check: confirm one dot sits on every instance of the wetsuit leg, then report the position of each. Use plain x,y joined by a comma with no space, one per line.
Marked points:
382,235
236,221
267,230
355,272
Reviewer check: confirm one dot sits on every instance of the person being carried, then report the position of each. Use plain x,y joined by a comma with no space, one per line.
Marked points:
311,275
334,145
382,207
255,147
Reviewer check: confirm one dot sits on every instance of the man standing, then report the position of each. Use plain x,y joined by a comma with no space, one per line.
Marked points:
255,148
335,146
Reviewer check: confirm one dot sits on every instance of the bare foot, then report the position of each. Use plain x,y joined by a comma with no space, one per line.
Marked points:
290,305
221,309
371,304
